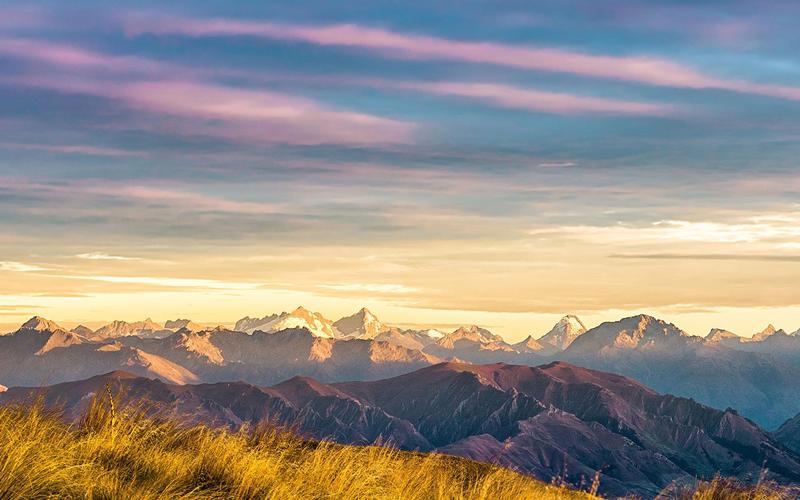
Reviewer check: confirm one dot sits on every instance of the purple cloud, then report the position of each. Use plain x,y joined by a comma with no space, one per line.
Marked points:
640,69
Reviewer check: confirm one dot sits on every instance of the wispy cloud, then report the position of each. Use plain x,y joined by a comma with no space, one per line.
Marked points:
390,288
538,100
19,267
766,228
715,256
152,194
103,256
165,281
642,69
80,149
243,114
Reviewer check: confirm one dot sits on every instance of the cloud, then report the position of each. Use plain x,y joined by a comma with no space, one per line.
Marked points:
178,198
103,256
390,288
766,228
242,114
70,56
557,164
640,69
81,149
678,256
538,100
19,267
263,115
167,282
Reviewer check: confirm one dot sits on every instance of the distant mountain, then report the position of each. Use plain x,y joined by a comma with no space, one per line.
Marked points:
475,345
562,334
360,325
145,329
723,336
530,344
177,324
760,385
301,317
411,339
636,332
766,333
42,352
83,331
778,343
40,324
553,420
265,358
789,433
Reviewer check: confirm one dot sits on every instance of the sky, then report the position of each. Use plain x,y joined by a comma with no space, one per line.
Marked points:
499,163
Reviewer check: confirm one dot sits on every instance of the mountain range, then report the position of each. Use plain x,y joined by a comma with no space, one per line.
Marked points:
757,375
552,420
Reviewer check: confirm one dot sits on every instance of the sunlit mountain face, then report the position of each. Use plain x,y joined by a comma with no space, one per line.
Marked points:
490,164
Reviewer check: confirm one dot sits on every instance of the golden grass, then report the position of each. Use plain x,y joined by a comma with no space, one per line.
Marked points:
721,488
113,454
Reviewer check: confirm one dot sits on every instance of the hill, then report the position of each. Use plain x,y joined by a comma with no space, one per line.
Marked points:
555,420
122,454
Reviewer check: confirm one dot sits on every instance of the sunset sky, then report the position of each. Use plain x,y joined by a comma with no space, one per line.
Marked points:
439,162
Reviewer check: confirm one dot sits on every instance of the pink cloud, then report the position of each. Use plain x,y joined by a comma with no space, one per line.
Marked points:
642,69
147,193
538,100
235,113
59,54
264,115
73,149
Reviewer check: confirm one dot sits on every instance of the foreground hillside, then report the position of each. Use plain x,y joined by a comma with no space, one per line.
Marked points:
555,420
124,455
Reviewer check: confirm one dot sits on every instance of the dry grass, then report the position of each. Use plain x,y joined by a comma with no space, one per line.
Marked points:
721,488
113,454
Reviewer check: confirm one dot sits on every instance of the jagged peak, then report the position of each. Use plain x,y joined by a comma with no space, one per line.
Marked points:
716,334
563,333
40,324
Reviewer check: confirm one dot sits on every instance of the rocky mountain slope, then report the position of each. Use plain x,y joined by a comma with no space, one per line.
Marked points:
555,419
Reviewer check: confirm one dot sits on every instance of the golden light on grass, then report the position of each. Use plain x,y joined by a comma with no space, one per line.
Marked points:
113,454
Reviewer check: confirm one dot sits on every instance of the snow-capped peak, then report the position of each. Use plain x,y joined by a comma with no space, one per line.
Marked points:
564,332
301,317
476,333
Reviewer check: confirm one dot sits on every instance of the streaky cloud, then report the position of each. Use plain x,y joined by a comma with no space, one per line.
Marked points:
640,69
716,256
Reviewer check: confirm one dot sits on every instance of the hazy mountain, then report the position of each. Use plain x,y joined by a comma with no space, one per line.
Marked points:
563,334
83,331
766,333
42,352
145,329
724,337
636,332
177,324
266,358
530,344
40,324
412,339
299,318
360,325
760,385
556,419
789,433
475,345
